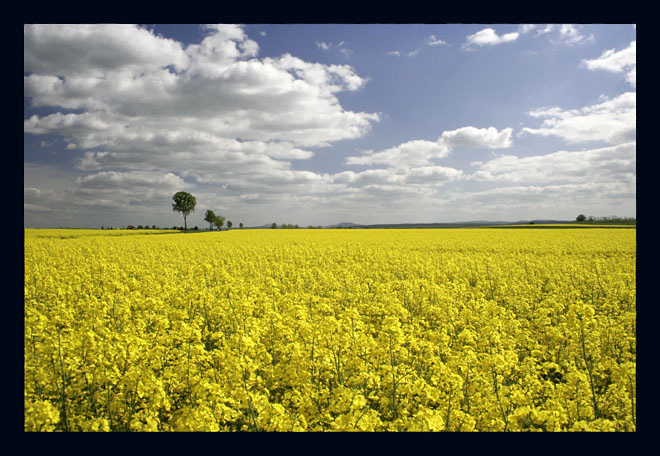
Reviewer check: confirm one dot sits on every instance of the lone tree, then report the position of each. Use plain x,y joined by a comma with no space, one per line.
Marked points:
219,221
185,203
240,225
581,218
274,225
210,217
228,224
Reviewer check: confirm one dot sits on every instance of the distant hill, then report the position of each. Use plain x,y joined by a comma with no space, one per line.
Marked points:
344,225
267,225
470,224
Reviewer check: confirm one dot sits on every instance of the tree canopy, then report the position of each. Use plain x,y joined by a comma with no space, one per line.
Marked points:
210,217
219,221
185,203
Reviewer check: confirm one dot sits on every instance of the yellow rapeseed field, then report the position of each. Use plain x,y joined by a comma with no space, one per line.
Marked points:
331,330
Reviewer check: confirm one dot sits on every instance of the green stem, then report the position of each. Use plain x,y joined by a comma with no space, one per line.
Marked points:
394,405
59,349
591,378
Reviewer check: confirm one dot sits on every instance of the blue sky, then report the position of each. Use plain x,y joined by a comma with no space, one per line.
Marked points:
316,124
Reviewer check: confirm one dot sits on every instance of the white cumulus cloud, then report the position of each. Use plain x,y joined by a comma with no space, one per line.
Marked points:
433,41
608,164
218,86
568,34
614,61
96,49
487,138
488,37
411,153
418,153
613,121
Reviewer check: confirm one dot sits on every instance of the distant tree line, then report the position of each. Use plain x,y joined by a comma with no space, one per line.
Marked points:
607,219
146,227
218,221
285,226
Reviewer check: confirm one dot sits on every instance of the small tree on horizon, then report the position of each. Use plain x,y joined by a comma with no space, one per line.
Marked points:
219,221
210,217
274,226
240,225
581,218
185,203
228,224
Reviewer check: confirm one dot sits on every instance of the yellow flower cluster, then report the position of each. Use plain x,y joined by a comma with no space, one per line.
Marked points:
331,330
